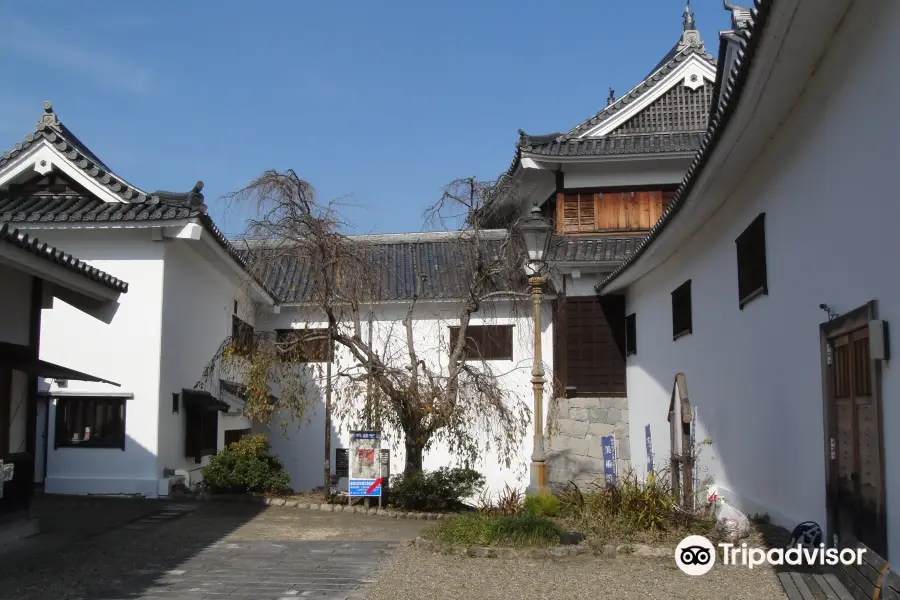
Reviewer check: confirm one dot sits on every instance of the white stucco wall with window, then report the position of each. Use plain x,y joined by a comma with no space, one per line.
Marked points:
827,185
125,351
198,302
302,448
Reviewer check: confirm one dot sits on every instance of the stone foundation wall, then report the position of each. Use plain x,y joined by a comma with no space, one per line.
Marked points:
574,451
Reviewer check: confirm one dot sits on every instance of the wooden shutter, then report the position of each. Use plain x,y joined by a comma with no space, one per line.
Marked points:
485,342
577,213
682,320
751,261
595,345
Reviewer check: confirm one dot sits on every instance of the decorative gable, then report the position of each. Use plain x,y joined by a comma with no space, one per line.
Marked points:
679,109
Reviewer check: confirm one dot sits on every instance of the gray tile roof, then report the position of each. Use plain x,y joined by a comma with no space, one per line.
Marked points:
136,205
616,144
595,249
396,261
750,32
650,82
23,241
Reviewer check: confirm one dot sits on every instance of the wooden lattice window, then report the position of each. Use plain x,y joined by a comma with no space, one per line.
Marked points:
233,435
90,422
682,318
579,213
485,342
751,261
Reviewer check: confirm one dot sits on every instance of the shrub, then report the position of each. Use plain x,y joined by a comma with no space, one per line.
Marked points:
506,530
508,502
543,504
435,491
246,466
629,509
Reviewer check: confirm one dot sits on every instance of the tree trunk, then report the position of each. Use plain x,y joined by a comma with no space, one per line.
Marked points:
414,452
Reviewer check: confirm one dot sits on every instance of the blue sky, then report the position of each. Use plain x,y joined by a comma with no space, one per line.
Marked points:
378,103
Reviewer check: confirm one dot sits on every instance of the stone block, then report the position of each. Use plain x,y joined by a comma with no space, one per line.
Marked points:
569,427
598,415
595,447
624,412
600,429
565,444
614,415
291,502
578,414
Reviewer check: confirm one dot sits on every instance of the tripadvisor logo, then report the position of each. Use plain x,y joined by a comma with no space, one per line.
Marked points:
695,555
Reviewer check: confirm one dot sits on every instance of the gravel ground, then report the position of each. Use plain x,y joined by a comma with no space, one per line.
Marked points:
422,575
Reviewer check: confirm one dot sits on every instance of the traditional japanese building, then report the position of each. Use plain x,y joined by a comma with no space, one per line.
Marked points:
604,184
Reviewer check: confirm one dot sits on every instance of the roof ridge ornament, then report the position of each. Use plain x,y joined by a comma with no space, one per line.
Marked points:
611,98
690,35
48,118
740,16
192,199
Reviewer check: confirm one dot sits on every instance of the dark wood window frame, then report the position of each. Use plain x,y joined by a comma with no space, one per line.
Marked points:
751,262
682,311
81,412
201,432
485,342
243,336
313,351
631,334
233,435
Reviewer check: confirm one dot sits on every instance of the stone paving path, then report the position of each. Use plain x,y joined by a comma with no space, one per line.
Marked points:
256,570
203,551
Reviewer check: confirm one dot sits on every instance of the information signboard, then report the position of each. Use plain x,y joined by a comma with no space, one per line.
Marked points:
365,464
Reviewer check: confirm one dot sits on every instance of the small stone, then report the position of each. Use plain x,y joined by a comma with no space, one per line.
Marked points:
570,538
326,507
303,505
350,509
277,502
608,549
267,501
402,515
392,514
560,552
291,502
478,552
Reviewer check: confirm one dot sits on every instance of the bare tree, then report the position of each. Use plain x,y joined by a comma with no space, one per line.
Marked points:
452,397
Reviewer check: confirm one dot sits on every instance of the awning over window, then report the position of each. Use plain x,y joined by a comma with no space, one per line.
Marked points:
203,400
18,357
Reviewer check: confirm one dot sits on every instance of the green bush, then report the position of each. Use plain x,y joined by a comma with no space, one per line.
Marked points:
435,491
246,466
507,530
543,504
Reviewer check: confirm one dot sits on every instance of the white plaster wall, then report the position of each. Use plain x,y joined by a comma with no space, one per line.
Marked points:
125,351
198,302
15,305
302,451
827,184
640,171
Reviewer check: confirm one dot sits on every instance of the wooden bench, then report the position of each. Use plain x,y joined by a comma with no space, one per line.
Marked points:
872,580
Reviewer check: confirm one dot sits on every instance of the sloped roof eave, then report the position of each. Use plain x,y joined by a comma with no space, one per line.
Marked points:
722,117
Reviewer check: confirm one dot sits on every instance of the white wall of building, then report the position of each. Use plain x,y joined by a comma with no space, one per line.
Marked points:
827,183
197,305
302,450
126,351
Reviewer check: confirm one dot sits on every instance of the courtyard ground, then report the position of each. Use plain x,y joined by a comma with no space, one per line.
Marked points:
142,550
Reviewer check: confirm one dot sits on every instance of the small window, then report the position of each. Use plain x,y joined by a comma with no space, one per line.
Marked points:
243,337
90,422
233,435
751,261
201,432
682,323
631,334
485,342
302,345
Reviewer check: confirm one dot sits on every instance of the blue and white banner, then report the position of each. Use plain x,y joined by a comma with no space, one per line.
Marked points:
365,487
609,457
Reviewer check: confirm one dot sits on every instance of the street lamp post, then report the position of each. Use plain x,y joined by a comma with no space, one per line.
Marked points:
536,235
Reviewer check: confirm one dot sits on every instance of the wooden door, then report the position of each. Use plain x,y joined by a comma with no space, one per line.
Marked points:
855,459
